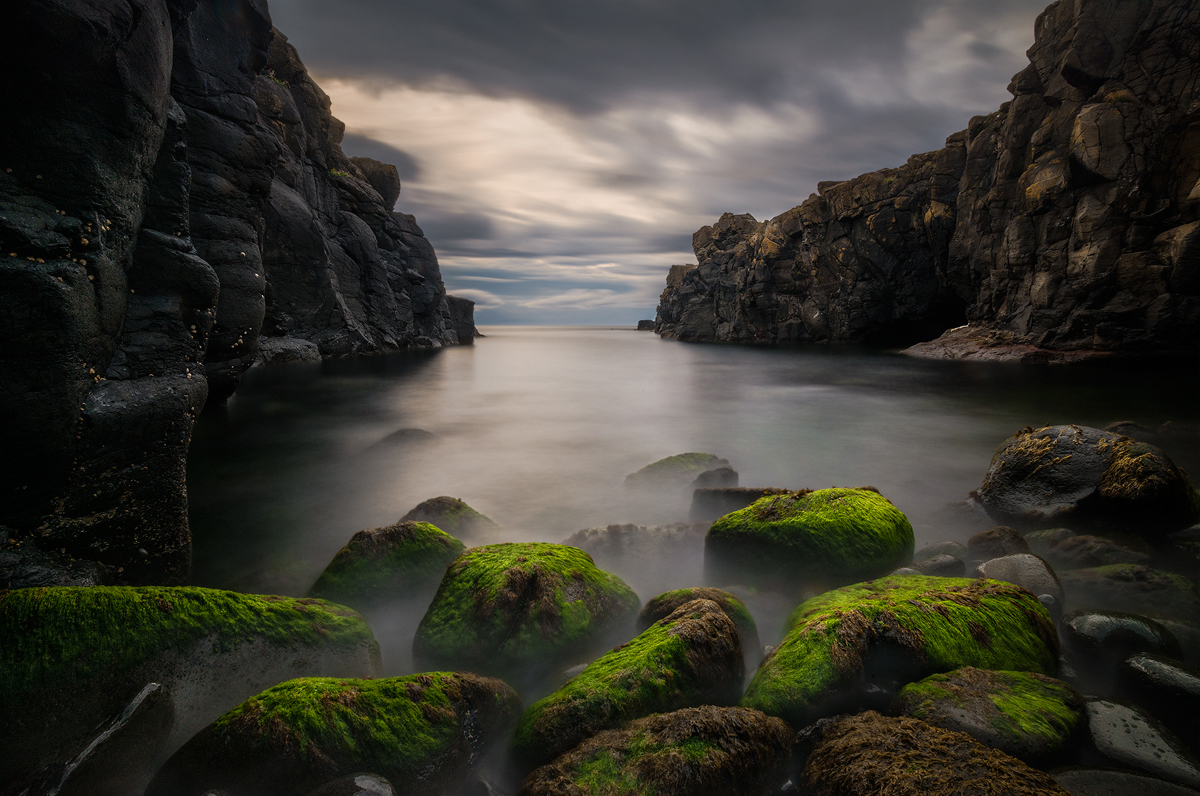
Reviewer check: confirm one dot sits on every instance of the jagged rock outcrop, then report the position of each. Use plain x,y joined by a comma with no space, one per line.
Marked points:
165,199
1069,219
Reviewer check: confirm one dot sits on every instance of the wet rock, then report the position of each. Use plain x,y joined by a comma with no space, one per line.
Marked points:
519,611
954,549
75,658
1083,478
995,543
830,537
23,565
674,471
1122,736
854,648
706,751
1064,549
1168,688
392,563
1095,641
690,658
1109,782
646,556
717,478
452,516
280,350
709,503
1131,587
1023,714
421,732
356,785
665,604
858,755
1187,633
943,566
1027,571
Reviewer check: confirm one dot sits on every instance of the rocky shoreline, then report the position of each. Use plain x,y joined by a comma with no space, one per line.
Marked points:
1055,653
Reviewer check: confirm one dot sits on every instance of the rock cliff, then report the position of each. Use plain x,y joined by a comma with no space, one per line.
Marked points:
1068,220
172,190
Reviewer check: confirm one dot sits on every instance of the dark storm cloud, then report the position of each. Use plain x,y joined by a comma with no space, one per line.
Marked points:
362,147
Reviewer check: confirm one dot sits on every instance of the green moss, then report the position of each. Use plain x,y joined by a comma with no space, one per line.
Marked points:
833,536
735,609
1031,708
397,561
503,608
936,625
338,173
55,635
604,774
691,462
654,673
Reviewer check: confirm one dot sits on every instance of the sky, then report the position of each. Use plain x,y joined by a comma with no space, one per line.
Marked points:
559,154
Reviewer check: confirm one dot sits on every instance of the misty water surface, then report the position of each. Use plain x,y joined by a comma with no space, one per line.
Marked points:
537,427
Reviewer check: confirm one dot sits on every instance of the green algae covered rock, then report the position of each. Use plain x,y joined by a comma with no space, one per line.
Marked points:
666,603
72,659
389,563
853,648
421,732
516,611
452,516
705,751
674,471
1023,714
830,537
874,754
691,657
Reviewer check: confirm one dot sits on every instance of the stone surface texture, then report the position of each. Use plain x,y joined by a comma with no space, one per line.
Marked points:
1066,221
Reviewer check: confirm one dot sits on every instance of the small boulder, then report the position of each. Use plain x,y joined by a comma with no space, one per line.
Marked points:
665,604
645,325
830,537
1027,571
1065,550
936,549
282,350
943,566
1168,688
1083,478
1096,641
705,751
452,516
391,563
1187,633
709,503
383,177
518,611
718,478
421,732
870,753
1131,587
356,785
854,648
1122,736
1024,714
995,543
690,658
674,471
1081,781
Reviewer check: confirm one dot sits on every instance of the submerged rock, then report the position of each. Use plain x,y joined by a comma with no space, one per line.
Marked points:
421,732
942,566
389,563
452,516
519,610
1131,587
1064,549
674,471
690,658
870,753
1168,688
1083,478
717,478
1123,736
73,659
995,543
853,648
709,503
665,604
705,751
830,537
1023,714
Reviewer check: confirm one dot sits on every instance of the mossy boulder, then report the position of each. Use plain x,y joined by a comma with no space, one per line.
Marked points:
516,611
454,517
1134,588
72,659
1023,714
705,751
855,647
1086,479
870,753
384,564
674,471
665,604
421,732
830,537
689,658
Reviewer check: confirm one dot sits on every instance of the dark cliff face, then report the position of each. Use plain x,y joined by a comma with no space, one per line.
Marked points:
164,202
1065,220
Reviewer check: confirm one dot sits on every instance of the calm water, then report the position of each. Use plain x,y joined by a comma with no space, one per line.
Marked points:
537,427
